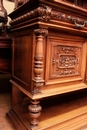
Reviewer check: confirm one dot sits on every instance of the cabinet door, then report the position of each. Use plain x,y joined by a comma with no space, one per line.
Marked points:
66,60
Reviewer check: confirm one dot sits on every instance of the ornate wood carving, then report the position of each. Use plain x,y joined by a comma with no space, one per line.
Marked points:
35,111
54,65
65,60
38,62
46,13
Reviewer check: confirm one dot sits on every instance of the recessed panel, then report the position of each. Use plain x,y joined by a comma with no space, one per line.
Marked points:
65,60
22,57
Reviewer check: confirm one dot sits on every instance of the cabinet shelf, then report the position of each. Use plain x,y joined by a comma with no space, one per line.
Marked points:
56,114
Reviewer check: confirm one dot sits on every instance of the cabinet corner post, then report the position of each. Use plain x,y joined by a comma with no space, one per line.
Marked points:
38,60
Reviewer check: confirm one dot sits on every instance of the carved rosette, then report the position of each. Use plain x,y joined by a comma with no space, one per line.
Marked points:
38,59
35,111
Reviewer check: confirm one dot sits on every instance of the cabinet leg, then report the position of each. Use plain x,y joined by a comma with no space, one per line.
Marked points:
35,111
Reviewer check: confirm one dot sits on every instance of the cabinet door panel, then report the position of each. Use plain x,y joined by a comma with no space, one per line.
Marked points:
66,60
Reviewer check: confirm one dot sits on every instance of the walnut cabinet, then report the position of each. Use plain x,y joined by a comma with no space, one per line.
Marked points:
49,58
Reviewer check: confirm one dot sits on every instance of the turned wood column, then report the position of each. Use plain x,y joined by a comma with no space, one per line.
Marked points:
35,111
38,80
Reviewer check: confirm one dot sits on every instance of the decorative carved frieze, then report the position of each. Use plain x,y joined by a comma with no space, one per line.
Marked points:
38,60
46,13
65,60
43,13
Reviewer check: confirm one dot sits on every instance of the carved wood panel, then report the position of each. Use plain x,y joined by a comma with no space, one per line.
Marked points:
65,60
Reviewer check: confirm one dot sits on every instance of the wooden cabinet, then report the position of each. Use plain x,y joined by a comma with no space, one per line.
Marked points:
48,59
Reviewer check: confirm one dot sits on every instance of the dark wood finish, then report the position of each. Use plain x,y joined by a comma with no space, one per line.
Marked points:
48,57
5,51
5,55
5,42
5,63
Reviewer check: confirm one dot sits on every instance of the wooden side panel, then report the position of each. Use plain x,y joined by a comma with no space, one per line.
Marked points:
22,60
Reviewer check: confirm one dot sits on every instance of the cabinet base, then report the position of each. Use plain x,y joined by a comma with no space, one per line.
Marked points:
68,115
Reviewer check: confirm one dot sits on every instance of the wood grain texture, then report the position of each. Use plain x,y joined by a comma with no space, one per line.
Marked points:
49,55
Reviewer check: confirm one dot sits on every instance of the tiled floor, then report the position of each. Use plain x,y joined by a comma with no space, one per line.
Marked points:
5,105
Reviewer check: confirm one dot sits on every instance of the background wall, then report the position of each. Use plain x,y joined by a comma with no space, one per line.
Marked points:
9,6
5,85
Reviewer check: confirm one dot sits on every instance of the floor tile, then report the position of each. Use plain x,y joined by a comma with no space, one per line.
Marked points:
5,105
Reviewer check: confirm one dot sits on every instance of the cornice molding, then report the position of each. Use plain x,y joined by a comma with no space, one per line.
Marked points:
46,13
